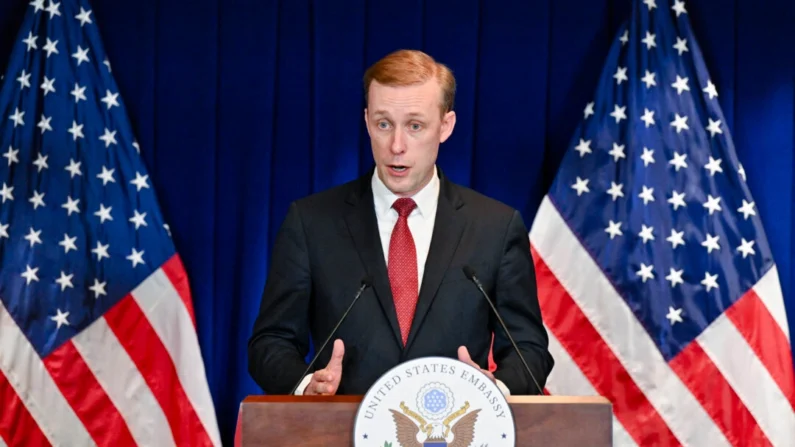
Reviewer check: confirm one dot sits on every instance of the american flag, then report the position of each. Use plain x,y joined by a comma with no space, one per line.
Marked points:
98,343
657,284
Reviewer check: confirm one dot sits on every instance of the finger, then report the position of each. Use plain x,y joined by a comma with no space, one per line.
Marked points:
463,355
335,364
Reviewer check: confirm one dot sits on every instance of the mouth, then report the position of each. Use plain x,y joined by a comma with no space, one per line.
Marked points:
398,168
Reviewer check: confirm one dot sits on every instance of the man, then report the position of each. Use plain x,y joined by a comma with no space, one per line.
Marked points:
410,230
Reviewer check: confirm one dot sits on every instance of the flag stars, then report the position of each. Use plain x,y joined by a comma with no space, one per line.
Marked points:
106,62
712,204
645,272
680,122
588,110
679,7
714,127
103,213
648,117
678,161
30,274
6,192
138,219
12,155
674,315
747,209
710,281
4,231
646,234
48,85
649,79
98,288
746,248
649,40
65,280
713,166
101,251
681,84
111,99
581,186
106,176
51,47
53,9
741,171
647,195
76,130
711,90
621,75
619,113
37,200
650,3
34,237
84,17
68,243
17,117
81,55
648,156
30,41
41,162
140,181
676,238
108,137
136,257
79,93
681,45
44,124
584,147
624,37
615,191
675,277
614,229
60,318
617,151
74,168
24,80
711,243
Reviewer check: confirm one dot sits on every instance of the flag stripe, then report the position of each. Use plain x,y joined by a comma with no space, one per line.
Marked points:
116,372
87,398
598,363
164,308
567,376
718,398
176,274
24,370
17,426
597,299
751,317
146,350
743,370
768,289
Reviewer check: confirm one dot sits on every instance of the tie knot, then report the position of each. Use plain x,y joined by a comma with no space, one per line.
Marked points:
404,206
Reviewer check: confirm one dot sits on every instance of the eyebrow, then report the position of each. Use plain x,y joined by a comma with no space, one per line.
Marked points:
410,115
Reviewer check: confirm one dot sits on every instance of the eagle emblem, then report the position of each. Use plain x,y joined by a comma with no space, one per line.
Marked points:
435,401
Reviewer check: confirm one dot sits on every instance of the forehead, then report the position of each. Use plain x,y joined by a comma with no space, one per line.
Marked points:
413,99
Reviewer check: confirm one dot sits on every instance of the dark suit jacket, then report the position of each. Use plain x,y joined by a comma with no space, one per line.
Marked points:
329,241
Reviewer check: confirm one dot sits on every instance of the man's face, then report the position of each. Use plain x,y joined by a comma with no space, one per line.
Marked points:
406,127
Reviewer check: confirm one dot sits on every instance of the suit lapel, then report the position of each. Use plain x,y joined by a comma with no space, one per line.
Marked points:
447,230
363,227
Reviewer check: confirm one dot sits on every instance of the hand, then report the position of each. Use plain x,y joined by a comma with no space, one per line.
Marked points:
463,355
326,381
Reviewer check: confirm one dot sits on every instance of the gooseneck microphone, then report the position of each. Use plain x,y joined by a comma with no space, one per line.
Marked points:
471,275
366,281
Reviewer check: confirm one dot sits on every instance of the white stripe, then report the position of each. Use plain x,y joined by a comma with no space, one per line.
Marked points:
769,291
749,378
123,384
619,328
2,442
169,318
33,384
566,379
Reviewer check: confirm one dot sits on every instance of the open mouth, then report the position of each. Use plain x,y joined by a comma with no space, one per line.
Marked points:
398,168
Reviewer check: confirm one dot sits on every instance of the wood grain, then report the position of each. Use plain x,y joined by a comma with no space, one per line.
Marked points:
328,420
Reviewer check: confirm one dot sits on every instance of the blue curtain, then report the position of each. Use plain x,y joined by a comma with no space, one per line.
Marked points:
243,106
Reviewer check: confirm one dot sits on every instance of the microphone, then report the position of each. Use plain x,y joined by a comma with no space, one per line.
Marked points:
471,275
366,281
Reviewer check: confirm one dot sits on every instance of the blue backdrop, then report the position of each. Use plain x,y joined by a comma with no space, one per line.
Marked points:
242,106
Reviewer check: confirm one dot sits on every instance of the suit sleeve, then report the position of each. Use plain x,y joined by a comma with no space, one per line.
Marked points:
280,339
516,298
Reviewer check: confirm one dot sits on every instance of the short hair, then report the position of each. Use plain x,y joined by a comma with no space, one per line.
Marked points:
411,67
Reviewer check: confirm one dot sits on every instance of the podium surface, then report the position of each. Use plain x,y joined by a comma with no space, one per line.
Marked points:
329,420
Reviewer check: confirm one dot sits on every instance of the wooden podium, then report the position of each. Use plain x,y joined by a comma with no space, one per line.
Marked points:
328,420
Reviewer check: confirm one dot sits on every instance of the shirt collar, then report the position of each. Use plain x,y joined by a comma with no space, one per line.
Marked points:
426,199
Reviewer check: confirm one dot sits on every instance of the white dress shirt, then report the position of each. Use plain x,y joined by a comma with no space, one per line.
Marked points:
420,223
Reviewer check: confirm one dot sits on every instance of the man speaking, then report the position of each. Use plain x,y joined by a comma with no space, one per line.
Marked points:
412,234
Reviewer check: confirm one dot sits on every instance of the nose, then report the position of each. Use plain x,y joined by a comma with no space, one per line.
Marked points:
398,143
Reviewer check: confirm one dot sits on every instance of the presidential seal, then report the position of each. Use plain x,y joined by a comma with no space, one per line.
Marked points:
434,402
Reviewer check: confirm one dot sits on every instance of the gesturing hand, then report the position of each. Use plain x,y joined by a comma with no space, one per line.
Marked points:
463,355
326,381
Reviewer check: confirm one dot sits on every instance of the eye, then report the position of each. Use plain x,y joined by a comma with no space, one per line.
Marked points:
416,127
383,125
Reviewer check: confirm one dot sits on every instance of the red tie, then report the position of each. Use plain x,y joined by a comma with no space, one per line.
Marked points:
402,267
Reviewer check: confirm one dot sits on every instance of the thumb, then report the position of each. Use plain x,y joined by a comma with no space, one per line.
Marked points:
463,355
335,364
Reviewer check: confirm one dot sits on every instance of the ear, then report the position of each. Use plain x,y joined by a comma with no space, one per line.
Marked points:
448,123
366,121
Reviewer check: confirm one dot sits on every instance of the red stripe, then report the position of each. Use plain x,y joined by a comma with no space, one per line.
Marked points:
86,397
597,361
175,272
17,426
150,356
718,398
754,321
